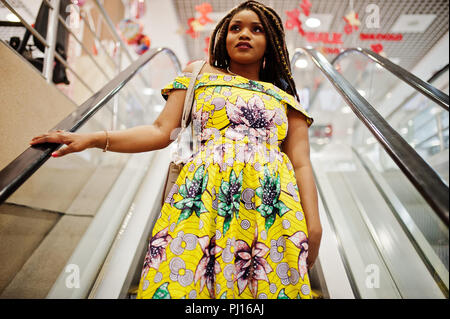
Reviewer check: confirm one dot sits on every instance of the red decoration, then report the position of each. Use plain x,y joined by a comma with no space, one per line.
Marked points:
381,36
79,3
130,30
294,22
143,44
306,6
377,48
204,9
140,9
206,49
191,30
352,22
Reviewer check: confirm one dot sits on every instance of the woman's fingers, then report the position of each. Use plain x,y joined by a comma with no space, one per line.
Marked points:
63,151
74,142
59,137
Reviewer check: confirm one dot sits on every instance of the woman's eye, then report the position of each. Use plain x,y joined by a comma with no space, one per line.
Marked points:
234,27
258,29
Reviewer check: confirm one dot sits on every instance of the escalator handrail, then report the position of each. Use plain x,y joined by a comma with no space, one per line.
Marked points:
21,168
423,87
433,78
422,176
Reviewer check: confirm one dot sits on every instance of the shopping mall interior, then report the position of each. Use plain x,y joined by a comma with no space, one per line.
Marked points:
372,73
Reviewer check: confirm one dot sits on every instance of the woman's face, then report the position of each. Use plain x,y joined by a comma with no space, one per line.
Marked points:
246,38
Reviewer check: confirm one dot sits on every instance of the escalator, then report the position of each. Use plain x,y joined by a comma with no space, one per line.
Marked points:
63,214
368,249
393,240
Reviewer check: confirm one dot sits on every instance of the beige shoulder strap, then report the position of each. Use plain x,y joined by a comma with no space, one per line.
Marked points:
189,100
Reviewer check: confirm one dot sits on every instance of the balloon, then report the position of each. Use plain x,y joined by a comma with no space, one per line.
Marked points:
130,30
143,44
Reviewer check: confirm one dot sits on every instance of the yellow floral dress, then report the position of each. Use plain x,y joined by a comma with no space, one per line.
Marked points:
232,225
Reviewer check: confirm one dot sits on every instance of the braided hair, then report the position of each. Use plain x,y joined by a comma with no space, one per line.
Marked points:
277,69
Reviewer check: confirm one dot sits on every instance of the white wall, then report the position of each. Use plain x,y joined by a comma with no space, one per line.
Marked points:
434,60
161,25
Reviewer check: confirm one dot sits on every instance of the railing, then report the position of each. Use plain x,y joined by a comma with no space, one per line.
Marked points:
421,175
419,85
424,101
19,170
406,159
50,54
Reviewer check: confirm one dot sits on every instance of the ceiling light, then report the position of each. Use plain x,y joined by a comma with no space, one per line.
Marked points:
12,17
435,110
412,23
158,107
301,63
148,91
313,22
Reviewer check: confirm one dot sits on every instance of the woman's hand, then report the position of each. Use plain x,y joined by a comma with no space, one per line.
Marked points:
75,142
314,237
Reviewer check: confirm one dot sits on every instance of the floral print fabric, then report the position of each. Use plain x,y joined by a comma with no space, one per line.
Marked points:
232,225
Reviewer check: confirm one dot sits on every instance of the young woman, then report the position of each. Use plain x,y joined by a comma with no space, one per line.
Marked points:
242,219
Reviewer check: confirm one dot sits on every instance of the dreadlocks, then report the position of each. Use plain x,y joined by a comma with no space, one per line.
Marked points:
277,68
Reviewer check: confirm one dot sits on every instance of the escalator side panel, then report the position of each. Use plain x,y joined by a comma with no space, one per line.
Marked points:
358,248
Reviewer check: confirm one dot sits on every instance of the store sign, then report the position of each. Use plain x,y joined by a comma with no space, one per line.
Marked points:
324,37
381,36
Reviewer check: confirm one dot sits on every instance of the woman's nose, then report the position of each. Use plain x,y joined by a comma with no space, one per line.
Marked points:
244,34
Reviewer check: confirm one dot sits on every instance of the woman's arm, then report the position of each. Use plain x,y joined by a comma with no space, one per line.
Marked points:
296,147
133,140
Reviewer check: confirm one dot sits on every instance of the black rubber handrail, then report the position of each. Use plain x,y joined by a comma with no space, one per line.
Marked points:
438,73
21,168
422,176
417,84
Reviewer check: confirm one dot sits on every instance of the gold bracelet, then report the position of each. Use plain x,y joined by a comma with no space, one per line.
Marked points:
107,142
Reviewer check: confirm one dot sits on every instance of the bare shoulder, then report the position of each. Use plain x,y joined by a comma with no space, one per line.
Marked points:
207,68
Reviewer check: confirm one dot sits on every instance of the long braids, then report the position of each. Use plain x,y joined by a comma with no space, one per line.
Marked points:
277,68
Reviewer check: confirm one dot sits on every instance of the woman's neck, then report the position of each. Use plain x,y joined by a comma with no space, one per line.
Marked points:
249,71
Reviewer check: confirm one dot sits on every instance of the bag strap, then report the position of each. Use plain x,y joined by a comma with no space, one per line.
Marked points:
187,108
189,100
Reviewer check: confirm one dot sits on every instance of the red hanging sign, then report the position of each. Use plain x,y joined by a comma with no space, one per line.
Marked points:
381,36
324,37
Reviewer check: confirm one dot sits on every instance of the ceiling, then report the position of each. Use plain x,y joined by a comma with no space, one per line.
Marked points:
407,53
395,17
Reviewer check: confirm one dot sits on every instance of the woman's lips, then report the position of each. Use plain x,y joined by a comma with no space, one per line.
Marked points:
243,45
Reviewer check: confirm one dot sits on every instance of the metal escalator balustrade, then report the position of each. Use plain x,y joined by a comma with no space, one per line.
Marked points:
418,110
416,83
384,236
19,170
63,212
425,179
